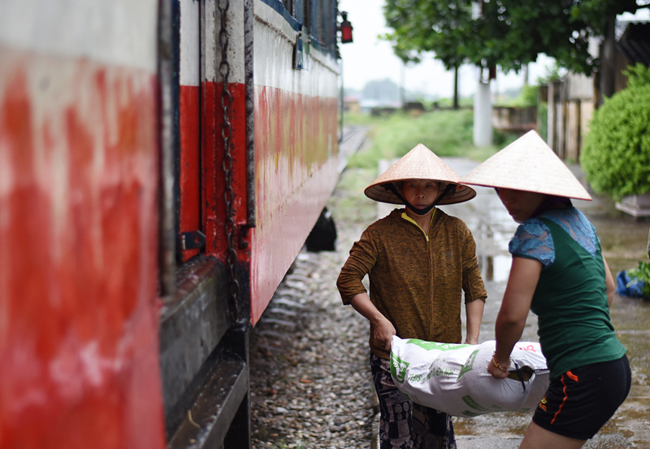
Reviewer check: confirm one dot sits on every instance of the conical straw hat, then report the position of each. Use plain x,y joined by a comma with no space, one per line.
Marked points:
419,163
528,164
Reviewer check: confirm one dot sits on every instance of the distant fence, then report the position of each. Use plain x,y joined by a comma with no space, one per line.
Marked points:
514,120
413,108
570,109
505,119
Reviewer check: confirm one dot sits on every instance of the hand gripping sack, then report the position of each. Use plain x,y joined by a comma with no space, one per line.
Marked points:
454,378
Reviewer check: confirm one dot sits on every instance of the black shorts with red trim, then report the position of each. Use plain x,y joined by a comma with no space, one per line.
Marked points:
582,400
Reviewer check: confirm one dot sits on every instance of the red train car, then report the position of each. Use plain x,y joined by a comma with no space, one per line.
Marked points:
161,165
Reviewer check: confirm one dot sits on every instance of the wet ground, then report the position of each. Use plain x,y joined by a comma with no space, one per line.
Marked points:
309,369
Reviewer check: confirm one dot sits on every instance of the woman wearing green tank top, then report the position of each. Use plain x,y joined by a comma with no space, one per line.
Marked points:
559,273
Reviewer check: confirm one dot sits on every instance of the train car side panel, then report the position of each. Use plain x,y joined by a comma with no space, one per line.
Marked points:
78,220
296,148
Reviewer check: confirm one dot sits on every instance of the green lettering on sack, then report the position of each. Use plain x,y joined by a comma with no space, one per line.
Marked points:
432,345
475,405
468,365
437,371
398,368
416,378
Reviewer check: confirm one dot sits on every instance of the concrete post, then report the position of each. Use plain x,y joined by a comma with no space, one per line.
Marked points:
482,115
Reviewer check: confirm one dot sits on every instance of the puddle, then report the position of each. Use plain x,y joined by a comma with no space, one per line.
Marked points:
495,268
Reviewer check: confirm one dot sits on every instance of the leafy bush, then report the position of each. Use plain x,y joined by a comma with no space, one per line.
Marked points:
527,98
637,75
642,273
542,113
616,152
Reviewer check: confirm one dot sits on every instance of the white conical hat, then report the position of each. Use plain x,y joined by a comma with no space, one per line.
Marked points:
419,163
528,164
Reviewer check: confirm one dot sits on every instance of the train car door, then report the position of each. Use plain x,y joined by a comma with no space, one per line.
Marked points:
203,326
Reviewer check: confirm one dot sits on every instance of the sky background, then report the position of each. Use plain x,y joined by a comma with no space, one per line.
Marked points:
368,58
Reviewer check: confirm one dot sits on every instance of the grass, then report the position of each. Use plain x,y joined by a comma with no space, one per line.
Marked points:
345,200
446,133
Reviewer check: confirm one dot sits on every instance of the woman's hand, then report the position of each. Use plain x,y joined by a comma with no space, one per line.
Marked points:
497,373
383,332
522,282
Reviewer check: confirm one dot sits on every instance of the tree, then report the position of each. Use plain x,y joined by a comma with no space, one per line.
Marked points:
616,152
418,28
508,33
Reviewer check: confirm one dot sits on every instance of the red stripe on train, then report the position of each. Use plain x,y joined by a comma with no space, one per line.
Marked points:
190,171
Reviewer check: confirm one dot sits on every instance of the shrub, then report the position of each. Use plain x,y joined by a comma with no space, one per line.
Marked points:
637,75
641,274
527,98
542,113
616,153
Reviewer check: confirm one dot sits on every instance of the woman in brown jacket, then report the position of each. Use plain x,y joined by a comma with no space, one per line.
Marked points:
419,261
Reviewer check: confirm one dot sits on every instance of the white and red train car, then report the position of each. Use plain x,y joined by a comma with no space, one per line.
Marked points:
161,164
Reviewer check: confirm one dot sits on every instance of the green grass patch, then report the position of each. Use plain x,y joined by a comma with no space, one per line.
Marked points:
346,199
446,133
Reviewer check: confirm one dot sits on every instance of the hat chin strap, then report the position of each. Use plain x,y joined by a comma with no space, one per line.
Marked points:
419,211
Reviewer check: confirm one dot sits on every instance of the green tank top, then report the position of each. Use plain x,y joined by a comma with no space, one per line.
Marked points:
570,302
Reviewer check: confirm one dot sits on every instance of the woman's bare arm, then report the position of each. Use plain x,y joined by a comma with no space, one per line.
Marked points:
515,306
383,329
474,314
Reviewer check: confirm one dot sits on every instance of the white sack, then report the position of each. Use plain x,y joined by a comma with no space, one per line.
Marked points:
453,378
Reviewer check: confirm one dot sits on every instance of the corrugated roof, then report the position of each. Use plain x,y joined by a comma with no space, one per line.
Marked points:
634,43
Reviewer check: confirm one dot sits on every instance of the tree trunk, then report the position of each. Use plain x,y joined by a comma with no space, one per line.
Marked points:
608,61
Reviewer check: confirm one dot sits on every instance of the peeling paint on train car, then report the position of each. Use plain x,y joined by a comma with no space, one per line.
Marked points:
296,149
292,186
78,251
213,152
296,146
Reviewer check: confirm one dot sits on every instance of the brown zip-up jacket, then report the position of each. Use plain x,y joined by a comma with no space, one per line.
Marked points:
415,283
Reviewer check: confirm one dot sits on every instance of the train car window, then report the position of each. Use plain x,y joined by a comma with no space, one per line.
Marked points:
289,6
301,6
320,22
319,19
